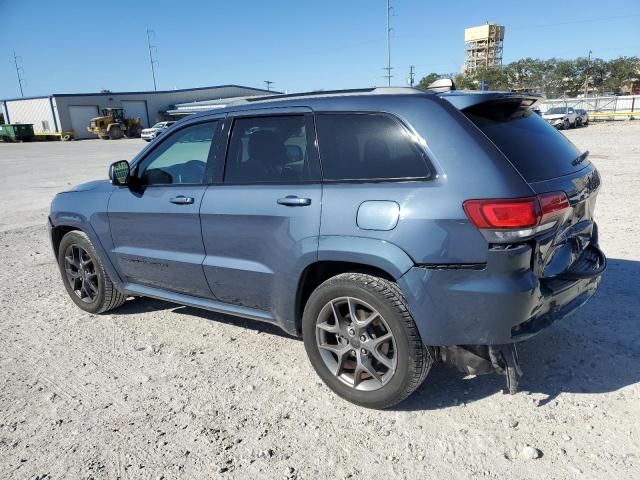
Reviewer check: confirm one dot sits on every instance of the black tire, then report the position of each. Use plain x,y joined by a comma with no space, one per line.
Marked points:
413,360
566,124
107,296
578,122
134,131
115,133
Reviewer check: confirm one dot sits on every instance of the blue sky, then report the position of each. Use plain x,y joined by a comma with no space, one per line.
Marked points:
80,46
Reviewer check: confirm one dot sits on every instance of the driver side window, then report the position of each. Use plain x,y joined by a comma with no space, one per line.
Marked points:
179,159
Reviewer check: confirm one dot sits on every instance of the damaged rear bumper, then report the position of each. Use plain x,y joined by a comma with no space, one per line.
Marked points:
500,304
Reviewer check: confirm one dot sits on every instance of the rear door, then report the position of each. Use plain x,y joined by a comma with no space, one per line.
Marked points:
548,162
155,222
260,226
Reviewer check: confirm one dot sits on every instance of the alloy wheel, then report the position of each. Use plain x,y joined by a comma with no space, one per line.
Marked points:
81,273
356,343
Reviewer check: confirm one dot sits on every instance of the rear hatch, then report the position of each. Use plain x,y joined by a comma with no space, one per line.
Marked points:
566,242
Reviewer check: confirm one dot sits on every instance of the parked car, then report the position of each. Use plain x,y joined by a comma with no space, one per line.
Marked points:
390,228
561,117
583,117
150,133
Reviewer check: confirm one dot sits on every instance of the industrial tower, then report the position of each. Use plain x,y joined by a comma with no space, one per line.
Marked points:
483,47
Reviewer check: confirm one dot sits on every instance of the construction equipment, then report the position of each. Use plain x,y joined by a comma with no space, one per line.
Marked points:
113,125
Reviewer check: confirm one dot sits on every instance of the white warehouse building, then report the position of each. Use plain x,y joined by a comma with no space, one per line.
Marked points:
73,111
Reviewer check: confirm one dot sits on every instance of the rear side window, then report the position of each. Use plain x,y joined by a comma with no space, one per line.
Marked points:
363,146
535,148
269,150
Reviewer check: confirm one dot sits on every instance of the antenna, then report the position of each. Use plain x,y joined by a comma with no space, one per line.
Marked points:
268,83
19,71
151,59
388,68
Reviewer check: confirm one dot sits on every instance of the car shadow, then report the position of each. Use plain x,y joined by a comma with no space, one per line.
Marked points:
146,305
595,350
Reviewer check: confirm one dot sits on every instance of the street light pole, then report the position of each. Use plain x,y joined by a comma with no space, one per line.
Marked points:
586,80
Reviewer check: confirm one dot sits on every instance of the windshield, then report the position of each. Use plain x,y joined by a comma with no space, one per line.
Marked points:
556,110
535,148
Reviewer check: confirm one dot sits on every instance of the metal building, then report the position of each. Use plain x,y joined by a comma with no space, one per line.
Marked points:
483,47
72,111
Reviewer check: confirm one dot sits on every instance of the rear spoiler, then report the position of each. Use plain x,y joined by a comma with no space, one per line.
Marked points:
465,99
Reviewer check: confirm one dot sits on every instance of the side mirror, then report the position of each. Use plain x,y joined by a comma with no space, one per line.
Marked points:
119,172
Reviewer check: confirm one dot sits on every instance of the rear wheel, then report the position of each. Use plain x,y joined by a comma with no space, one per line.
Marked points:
115,133
85,280
134,131
362,340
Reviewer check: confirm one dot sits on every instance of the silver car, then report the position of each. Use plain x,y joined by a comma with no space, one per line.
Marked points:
561,117
583,117
149,134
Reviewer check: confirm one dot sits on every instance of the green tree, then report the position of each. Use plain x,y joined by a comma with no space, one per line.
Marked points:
620,71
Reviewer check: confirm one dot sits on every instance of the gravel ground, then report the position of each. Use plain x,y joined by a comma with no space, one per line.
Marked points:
159,391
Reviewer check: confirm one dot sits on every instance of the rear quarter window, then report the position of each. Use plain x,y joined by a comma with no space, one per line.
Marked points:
535,148
367,146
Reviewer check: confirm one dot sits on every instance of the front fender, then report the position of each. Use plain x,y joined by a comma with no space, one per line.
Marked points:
87,211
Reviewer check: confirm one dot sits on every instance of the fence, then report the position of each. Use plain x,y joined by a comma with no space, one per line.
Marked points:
600,108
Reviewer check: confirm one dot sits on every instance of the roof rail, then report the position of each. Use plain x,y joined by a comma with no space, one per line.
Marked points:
378,90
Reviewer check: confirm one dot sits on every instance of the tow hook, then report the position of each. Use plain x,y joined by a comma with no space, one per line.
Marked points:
482,359
504,358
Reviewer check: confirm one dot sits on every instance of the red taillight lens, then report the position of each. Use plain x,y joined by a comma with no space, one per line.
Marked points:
552,205
515,213
503,213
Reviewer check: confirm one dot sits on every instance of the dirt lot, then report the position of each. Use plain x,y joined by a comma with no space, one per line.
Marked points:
159,391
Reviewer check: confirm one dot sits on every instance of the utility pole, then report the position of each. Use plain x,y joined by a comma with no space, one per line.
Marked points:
412,75
268,83
18,70
151,59
388,67
586,80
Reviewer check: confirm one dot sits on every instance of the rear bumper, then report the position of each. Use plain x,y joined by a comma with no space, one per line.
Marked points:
502,303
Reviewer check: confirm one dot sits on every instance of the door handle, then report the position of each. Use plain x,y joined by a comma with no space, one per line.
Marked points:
181,200
294,201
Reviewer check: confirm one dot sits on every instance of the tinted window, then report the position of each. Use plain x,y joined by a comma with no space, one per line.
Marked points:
534,147
180,158
367,147
269,150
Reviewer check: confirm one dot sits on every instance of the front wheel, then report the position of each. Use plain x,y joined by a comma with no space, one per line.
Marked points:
362,340
566,124
85,280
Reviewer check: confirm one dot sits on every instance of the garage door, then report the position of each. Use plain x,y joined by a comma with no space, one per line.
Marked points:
81,115
136,109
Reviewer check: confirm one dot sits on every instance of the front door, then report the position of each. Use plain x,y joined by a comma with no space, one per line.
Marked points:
260,227
155,222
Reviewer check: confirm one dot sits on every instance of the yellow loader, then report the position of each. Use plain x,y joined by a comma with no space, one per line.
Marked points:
112,125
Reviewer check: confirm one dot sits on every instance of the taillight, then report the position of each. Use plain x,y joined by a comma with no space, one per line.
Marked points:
503,213
552,205
505,219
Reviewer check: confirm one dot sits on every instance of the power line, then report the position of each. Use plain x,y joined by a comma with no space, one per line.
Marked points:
388,67
18,70
151,59
572,22
268,83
